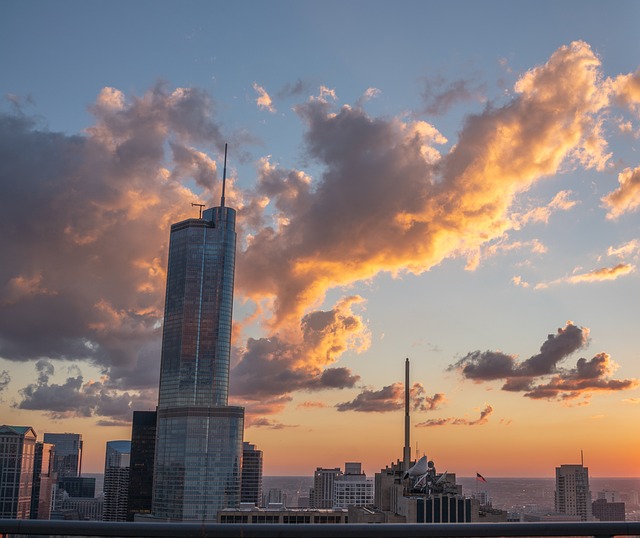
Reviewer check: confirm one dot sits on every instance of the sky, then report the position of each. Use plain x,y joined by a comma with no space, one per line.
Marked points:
457,183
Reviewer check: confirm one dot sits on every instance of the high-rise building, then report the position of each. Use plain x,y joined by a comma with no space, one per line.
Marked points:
322,494
44,480
572,495
116,480
199,436
251,489
67,460
143,449
17,450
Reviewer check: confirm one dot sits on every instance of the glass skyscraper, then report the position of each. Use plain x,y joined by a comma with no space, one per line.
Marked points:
199,437
67,460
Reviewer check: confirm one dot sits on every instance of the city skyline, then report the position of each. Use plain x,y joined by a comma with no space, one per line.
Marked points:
456,183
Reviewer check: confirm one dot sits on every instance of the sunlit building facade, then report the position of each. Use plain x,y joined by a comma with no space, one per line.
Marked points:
17,453
572,495
198,457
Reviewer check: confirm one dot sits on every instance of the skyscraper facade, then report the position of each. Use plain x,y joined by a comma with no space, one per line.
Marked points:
17,452
572,495
67,459
323,480
143,449
199,437
44,480
251,490
116,480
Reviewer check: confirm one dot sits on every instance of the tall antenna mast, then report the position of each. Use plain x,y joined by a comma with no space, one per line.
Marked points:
407,419
224,175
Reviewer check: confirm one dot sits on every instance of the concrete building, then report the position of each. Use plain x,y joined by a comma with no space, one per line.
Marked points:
67,460
421,495
79,508
251,487
321,496
572,496
81,487
116,480
604,510
17,453
252,514
273,497
352,488
199,437
143,449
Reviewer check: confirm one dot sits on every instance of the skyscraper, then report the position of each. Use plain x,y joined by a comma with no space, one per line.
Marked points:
116,480
322,494
251,491
17,451
143,449
199,437
43,481
67,459
572,491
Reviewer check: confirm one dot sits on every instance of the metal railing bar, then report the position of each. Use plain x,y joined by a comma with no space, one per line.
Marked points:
599,529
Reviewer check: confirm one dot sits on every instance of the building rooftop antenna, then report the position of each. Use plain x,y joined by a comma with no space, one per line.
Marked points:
224,175
193,204
407,420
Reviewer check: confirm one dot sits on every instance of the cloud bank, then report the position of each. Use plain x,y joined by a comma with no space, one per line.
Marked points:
83,270
542,376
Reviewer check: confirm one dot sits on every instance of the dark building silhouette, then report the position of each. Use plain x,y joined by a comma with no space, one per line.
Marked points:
143,449
251,491
78,486
606,511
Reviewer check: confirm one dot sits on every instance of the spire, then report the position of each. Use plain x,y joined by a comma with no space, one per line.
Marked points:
407,420
224,175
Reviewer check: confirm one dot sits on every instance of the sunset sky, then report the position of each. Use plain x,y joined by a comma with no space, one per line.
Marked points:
456,182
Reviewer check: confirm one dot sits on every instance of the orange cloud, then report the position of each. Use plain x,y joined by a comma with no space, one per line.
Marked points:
312,405
264,100
626,89
391,398
481,420
604,273
383,206
625,198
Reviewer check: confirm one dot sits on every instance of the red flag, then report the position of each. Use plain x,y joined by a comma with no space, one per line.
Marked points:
480,477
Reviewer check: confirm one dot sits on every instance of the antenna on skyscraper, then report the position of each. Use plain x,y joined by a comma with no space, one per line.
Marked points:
406,456
200,206
224,175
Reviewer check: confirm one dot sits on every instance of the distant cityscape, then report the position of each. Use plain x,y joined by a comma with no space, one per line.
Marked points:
188,461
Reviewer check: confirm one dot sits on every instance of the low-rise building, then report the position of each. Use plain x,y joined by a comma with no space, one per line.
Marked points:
253,514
